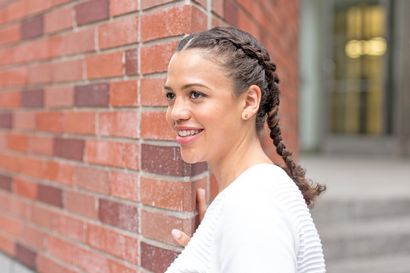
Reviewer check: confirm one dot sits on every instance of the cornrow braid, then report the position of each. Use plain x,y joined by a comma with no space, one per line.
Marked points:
248,62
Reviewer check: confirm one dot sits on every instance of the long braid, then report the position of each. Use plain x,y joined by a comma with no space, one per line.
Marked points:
295,171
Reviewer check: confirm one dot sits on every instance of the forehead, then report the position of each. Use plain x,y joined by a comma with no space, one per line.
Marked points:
195,65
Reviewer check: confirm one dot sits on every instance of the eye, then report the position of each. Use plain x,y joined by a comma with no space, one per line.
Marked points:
194,95
169,96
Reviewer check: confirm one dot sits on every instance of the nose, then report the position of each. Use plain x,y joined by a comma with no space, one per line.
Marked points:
179,111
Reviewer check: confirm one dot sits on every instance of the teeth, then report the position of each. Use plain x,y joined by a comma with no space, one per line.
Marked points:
185,133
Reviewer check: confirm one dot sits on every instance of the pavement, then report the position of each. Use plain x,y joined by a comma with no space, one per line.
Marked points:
359,177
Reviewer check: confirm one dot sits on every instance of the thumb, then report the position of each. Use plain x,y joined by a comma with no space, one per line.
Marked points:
180,237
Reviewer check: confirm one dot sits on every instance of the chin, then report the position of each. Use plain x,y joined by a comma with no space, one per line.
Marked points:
190,158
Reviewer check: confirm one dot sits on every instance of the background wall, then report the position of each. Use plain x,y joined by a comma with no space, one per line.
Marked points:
90,177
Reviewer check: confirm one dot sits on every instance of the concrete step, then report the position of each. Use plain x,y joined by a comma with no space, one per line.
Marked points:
365,239
399,263
330,211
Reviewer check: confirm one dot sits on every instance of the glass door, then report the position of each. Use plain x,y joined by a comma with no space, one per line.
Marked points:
358,104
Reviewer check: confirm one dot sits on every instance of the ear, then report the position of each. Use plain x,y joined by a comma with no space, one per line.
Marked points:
252,98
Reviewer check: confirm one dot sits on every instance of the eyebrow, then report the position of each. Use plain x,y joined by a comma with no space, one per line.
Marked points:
186,86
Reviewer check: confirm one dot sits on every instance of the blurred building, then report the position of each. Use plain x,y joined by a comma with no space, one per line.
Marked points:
355,77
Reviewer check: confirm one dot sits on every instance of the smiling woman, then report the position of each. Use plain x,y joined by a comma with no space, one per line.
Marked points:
221,88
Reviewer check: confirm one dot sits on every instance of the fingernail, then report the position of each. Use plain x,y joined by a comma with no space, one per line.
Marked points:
176,234
201,192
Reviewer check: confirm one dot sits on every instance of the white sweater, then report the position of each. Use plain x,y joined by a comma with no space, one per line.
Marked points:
258,224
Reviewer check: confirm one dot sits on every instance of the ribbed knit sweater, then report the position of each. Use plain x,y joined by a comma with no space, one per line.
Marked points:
258,224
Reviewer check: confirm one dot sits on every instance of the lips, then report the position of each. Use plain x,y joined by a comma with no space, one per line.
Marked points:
187,135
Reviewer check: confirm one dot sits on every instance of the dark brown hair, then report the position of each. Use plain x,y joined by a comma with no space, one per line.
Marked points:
247,62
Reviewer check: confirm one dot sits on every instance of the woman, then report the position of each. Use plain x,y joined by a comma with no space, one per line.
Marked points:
221,88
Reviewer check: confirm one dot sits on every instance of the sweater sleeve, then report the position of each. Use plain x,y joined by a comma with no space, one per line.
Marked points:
255,236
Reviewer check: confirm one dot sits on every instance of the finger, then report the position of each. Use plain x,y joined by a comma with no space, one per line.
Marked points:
180,237
201,202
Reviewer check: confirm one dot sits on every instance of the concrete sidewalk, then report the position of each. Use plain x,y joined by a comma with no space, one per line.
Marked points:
360,178
8,265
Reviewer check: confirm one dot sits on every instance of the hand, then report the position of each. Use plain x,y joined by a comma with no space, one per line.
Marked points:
181,237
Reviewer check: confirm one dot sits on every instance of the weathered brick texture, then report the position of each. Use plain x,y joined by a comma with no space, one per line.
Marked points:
90,177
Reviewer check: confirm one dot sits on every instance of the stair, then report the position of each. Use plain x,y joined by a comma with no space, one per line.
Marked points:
365,235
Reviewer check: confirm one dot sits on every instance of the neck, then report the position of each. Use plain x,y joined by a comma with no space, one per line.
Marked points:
245,154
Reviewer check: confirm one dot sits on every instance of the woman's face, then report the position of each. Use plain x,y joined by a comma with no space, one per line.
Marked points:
202,107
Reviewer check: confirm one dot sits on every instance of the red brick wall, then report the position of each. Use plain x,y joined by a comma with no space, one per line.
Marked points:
90,179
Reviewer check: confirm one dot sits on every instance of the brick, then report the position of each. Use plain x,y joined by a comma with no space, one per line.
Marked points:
10,99
17,142
58,19
70,227
119,154
30,166
13,77
5,182
33,7
79,122
26,256
167,160
96,94
114,243
162,53
40,73
171,195
24,119
155,126
230,12
119,215
33,237
118,33
33,27
81,203
42,216
92,179
58,97
9,163
146,4
91,11
10,34
156,259
25,188
46,265
50,195
7,245
104,65
15,10
124,185
172,22
59,172
123,93
150,221
49,121
32,98
11,226
118,123
39,50
131,62
122,7
6,120
152,92
69,148
70,253
67,71
72,43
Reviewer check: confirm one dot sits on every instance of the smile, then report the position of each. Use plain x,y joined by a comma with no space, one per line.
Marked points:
186,133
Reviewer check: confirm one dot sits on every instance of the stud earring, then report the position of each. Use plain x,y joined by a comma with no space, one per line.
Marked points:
245,116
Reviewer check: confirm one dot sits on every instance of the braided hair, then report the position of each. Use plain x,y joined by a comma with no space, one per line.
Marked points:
248,63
